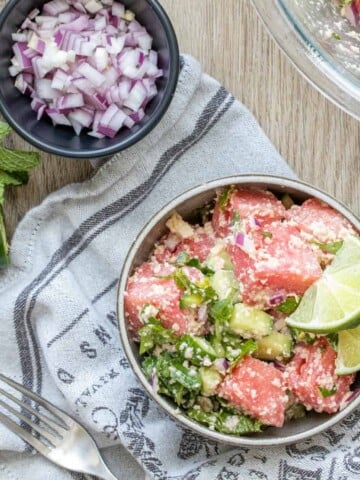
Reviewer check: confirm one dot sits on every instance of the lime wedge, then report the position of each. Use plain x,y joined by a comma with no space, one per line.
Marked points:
333,302
348,352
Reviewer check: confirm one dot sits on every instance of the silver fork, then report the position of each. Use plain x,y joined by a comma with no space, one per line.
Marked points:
60,439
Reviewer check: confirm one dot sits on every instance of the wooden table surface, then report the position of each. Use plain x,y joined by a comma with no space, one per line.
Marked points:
320,142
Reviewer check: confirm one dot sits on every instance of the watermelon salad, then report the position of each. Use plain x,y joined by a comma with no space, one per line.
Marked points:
209,311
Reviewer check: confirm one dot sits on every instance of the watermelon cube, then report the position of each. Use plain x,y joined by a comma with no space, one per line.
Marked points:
257,388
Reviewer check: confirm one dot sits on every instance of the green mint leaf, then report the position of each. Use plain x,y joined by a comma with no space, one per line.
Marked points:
288,306
222,310
335,36
331,247
4,130
18,160
225,421
225,196
325,392
153,333
2,194
266,234
4,247
194,262
181,279
9,179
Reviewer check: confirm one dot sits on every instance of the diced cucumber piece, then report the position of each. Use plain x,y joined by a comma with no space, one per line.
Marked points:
274,346
196,349
250,322
225,285
210,379
220,260
4,247
191,300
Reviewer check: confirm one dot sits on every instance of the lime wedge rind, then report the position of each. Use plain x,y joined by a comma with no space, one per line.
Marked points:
332,303
348,352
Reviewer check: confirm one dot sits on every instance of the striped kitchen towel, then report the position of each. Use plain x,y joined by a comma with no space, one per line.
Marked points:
58,333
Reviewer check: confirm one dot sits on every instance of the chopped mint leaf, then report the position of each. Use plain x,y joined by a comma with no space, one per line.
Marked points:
266,234
2,193
325,392
9,179
4,130
225,196
331,247
194,262
222,310
17,160
288,306
335,36
333,339
181,279
153,333
225,421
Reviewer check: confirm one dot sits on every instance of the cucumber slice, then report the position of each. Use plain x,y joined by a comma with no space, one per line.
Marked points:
250,322
225,285
221,260
189,300
274,346
4,247
196,349
210,380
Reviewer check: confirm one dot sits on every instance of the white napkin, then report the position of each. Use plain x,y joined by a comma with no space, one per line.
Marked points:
58,333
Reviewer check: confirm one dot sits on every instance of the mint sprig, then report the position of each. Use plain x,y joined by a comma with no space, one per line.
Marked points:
14,171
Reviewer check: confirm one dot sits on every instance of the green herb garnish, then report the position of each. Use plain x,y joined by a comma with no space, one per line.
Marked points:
225,196
266,234
14,171
325,392
289,305
331,247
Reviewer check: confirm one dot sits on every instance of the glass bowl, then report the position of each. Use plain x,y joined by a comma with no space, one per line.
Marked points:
321,43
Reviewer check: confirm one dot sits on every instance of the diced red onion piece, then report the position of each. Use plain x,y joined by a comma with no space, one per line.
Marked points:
96,134
76,125
55,7
41,112
95,77
70,100
93,6
19,37
240,239
136,97
222,365
57,117
276,299
101,58
44,90
34,13
117,9
82,116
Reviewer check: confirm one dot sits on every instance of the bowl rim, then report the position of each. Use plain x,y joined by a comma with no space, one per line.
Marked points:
174,70
306,58
252,179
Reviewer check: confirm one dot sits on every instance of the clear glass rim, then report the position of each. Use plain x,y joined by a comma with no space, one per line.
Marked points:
307,58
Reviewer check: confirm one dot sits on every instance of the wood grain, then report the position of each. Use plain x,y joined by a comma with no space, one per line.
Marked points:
320,142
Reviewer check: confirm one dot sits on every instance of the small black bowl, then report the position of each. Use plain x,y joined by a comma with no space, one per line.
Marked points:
63,141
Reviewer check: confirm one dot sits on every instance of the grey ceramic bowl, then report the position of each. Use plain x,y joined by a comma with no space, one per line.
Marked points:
185,205
63,141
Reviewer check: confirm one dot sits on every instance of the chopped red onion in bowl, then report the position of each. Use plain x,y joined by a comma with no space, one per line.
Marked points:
87,64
